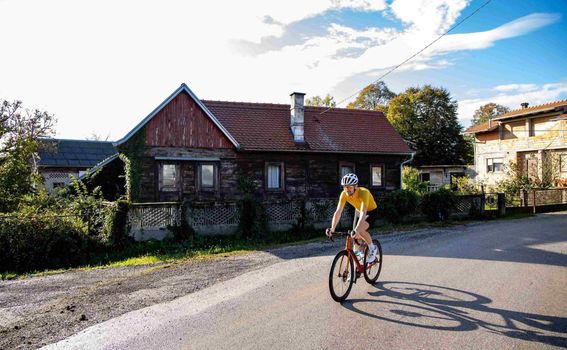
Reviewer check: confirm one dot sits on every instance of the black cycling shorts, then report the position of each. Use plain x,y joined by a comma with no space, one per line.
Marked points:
371,217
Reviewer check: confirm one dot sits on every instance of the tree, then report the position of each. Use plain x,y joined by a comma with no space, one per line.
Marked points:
96,137
374,97
20,134
488,111
427,119
317,101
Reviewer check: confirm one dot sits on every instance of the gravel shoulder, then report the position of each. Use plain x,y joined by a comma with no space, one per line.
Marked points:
37,311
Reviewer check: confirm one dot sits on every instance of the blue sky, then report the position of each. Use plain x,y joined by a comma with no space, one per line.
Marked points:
102,66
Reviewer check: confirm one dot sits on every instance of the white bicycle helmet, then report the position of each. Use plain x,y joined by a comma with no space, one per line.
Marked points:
349,180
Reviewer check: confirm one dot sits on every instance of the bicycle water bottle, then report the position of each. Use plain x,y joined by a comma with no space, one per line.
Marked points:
359,253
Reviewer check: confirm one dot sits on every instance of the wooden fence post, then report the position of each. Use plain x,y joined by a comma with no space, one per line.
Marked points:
534,191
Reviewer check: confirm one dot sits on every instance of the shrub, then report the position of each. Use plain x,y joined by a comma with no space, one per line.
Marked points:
464,185
253,221
50,240
114,230
253,218
438,205
183,231
59,230
412,182
397,204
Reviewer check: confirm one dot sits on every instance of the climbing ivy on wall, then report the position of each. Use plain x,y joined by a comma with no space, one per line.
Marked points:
132,154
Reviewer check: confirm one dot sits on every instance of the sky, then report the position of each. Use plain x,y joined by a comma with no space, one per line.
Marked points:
102,66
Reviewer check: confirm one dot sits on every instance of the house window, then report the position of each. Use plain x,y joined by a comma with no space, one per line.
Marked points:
425,177
377,173
563,163
207,176
345,168
274,176
169,177
494,165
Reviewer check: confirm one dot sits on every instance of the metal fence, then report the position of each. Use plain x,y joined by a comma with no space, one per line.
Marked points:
542,196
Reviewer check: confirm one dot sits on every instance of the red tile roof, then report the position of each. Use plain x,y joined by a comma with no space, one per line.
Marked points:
534,109
547,107
266,127
482,127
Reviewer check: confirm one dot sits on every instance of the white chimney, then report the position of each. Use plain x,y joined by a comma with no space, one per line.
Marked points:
297,117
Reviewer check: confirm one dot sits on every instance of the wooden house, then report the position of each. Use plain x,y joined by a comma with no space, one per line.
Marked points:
195,150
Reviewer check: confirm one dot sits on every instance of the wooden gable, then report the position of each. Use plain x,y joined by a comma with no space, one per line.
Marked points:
183,123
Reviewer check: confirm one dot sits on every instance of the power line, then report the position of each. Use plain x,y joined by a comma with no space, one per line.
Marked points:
414,55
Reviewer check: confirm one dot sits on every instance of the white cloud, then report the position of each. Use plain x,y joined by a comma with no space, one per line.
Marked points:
481,40
512,96
428,16
515,87
101,67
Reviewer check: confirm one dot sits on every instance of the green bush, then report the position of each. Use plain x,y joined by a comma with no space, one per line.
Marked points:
60,230
412,182
399,203
114,230
184,231
438,205
253,219
46,241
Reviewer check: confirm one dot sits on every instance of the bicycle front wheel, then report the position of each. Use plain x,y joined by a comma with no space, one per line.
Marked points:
341,276
372,270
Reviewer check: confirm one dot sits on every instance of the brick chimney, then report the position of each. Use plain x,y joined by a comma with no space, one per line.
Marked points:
297,119
524,105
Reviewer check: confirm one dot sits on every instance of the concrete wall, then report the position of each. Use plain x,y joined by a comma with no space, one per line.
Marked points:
515,142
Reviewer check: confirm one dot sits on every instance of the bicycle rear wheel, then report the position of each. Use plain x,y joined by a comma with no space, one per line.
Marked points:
372,271
341,276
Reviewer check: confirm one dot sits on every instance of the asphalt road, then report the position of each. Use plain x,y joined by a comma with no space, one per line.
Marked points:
495,285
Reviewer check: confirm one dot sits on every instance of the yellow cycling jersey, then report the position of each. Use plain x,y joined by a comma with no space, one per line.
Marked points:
361,195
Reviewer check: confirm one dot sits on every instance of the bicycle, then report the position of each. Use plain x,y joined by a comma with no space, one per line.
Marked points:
342,274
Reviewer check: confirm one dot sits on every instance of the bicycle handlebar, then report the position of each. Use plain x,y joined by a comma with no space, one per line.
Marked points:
341,234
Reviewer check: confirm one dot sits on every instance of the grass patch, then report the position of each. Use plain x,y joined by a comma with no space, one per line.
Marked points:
204,247
8,276
197,247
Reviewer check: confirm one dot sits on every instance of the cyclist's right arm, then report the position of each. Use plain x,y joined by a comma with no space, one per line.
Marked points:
337,216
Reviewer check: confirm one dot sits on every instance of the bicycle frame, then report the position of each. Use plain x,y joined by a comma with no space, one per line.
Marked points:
348,247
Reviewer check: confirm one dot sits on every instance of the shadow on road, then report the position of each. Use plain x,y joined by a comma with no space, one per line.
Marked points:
449,309
538,240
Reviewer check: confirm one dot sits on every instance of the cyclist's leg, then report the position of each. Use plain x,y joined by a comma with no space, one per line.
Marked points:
357,237
363,232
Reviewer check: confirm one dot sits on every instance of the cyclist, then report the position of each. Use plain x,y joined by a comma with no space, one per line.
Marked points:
365,212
